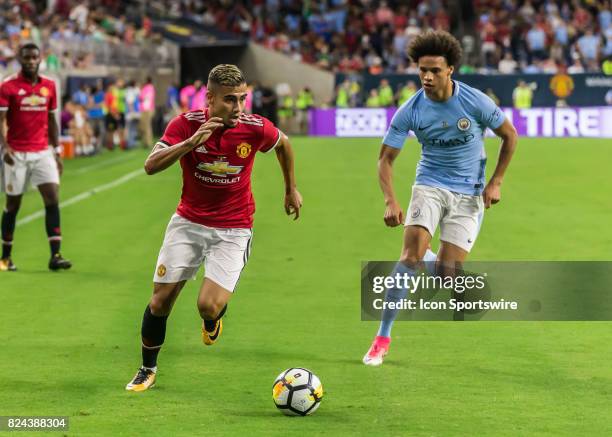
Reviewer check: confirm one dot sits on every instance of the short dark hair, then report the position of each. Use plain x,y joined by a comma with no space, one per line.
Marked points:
226,75
28,46
436,43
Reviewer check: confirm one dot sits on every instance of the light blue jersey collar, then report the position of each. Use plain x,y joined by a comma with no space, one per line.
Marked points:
450,99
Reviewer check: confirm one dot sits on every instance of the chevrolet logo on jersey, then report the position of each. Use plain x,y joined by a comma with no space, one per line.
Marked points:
220,168
34,100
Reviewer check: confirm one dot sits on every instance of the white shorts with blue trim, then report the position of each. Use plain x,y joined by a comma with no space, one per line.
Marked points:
188,245
458,215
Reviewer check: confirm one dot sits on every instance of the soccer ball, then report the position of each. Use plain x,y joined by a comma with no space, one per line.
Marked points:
297,392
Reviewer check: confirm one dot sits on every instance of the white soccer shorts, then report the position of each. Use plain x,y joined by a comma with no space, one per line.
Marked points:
458,215
35,167
187,245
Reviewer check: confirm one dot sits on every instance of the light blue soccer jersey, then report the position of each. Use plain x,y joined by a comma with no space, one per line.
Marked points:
451,135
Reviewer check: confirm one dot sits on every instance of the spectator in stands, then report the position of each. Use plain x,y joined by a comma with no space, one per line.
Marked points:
303,103
343,92
607,66
286,110
405,92
95,114
536,43
522,96
507,65
385,93
132,113
248,102
269,104
373,100
147,111
576,67
354,93
193,96
588,46
80,130
66,117
81,95
114,119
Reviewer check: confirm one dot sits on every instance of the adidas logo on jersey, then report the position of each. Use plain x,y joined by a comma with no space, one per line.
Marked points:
201,149
21,92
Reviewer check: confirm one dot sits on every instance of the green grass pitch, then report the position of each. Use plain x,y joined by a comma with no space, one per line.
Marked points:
70,341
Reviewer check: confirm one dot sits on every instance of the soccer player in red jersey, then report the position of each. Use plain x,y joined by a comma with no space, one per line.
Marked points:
212,225
28,103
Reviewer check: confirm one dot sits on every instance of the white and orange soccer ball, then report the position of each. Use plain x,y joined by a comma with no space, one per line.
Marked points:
297,392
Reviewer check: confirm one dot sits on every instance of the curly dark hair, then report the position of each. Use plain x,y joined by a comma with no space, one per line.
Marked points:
436,43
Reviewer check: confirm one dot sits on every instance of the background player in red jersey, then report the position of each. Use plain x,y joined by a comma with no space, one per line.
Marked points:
28,103
212,225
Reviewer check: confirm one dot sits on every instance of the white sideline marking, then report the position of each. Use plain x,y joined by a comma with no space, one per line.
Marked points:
84,195
100,164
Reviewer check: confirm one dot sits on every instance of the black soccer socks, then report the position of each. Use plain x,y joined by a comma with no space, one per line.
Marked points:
52,223
153,335
8,228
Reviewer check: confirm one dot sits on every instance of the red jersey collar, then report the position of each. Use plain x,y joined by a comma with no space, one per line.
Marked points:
25,79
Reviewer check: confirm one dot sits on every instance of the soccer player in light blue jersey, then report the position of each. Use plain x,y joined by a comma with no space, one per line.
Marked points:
449,120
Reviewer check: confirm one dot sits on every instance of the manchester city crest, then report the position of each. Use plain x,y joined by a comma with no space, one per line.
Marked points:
464,124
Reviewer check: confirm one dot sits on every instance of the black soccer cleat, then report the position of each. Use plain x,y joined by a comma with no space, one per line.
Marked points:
58,263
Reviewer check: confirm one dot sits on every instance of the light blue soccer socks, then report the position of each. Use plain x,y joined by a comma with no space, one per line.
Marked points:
393,295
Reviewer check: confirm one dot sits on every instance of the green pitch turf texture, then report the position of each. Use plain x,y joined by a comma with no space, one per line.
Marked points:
70,341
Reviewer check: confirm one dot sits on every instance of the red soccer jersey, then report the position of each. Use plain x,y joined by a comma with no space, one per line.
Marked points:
28,107
217,174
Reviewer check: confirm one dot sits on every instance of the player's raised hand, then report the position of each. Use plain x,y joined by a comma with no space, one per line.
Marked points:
293,203
491,194
205,131
394,215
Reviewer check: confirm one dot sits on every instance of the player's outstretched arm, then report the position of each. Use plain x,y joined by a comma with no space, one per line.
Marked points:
162,157
394,216
293,198
492,192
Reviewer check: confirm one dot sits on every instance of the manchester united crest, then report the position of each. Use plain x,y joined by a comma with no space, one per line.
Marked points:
464,124
44,91
243,150
161,270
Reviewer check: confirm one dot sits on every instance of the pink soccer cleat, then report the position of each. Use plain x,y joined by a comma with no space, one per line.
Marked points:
379,348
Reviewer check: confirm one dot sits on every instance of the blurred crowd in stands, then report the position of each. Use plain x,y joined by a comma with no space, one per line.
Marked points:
498,36
343,36
71,33
112,115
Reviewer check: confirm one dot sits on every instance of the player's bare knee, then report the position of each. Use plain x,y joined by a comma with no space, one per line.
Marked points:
160,305
161,302
210,310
